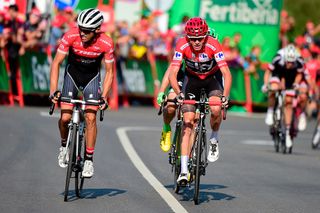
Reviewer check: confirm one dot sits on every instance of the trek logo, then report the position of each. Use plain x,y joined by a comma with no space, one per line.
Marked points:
219,56
177,55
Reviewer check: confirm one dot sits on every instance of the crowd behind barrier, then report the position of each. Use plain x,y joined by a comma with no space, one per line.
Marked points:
28,43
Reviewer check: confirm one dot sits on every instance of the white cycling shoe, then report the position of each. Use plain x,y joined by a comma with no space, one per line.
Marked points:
288,141
88,169
63,157
213,154
302,125
269,118
182,179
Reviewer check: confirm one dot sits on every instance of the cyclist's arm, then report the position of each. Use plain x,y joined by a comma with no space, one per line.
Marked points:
266,76
165,81
107,79
54,71
227,80
173,73
298,78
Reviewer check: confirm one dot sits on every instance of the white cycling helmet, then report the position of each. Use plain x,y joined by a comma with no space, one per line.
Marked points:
290,53
90,19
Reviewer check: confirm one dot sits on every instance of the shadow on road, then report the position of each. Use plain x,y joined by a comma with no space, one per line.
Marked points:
206,193
94,193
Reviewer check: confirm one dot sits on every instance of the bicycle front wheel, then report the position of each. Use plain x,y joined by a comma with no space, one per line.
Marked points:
72,158
198,150
176,154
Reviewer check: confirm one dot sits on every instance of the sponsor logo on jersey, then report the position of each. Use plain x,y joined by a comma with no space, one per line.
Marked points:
203,57
177,55
219,56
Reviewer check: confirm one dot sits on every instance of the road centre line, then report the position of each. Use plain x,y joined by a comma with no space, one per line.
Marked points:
143,169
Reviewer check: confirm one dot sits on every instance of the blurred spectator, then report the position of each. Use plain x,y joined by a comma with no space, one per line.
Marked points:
157,45
286,27
62,21
252,62
235,42
12,40
122,42
34,29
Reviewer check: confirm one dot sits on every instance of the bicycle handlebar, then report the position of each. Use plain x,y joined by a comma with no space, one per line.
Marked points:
82,102
194,102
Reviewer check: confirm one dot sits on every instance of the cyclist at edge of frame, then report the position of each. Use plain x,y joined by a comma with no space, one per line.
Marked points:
170,108
203,56
287,71
86,48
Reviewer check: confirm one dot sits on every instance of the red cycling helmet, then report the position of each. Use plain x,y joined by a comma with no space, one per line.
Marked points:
196,27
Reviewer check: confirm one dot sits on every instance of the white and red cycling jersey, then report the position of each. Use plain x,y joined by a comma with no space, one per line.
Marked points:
86,58
201,63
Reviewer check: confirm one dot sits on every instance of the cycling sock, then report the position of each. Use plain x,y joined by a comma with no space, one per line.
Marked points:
63,142
214,136
166,127
184,164
288,129
270,110
89,153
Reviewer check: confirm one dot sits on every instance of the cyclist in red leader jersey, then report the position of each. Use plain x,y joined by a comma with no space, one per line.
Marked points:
203,57
86,48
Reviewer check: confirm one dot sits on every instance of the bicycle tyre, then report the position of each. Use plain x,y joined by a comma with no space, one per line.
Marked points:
197,169
283,143
80,159
276,138
315,145
177,164
72,159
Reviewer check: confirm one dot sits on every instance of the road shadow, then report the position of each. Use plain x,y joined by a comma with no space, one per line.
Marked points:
207,193
94,193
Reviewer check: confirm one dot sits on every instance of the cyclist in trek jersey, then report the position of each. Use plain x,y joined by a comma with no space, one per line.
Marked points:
203,57
286,70
170,108
86,48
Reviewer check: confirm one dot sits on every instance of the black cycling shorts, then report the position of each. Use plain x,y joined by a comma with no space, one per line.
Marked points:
91,91
192,87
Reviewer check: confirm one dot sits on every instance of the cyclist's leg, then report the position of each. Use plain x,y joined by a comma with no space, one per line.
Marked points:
188,124
168,115
288,110
69,90
188,119
303,99
215,91
91,92
274,85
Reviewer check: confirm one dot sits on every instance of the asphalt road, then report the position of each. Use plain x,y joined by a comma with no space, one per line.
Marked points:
133,175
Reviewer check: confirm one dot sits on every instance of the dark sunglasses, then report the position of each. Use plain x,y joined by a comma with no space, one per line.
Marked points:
198,38
86,31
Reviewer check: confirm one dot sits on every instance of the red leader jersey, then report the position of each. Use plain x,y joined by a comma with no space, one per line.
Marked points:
200,63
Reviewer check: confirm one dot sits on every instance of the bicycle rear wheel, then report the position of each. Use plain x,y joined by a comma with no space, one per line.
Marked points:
72,158
197,174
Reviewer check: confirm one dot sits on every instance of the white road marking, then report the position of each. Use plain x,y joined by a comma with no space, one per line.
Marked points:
257,142
143,169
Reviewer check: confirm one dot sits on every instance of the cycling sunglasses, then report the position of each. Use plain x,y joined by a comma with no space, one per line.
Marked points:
86,31
196,38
